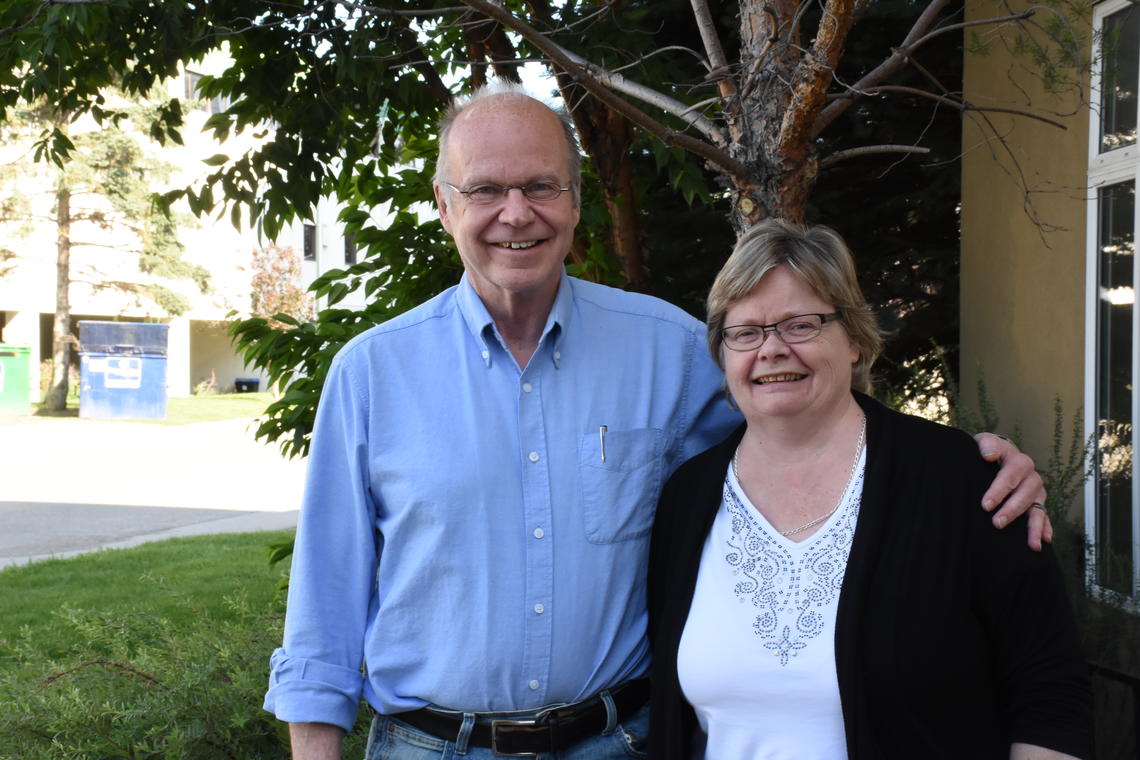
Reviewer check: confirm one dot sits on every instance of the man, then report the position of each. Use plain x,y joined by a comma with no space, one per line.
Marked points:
483,477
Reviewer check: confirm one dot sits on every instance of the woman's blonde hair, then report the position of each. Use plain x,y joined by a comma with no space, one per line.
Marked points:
817,255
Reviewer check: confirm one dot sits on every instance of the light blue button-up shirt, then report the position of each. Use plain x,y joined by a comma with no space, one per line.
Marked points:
475,535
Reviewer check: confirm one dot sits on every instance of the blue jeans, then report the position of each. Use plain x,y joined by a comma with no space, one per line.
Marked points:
392,739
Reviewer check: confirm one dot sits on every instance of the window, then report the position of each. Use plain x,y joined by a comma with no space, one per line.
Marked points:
350,249
192,82
310,242
1112,517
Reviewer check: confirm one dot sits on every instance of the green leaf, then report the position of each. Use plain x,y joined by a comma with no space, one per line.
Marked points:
286,318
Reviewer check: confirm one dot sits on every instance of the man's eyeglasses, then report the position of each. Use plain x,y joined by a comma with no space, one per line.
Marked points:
795,329
489,193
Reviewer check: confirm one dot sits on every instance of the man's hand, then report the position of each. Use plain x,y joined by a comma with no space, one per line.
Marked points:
1019,485
315,741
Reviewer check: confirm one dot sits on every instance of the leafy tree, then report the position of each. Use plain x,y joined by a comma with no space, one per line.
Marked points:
277,286
741,109
98,198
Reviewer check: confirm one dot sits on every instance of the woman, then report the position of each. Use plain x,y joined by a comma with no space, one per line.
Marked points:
821,585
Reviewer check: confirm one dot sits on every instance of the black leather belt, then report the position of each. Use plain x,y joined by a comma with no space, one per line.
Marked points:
551,730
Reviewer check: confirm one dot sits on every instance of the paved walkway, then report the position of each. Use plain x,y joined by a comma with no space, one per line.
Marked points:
70,485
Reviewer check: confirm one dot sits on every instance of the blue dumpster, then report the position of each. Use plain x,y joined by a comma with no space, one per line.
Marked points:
122,369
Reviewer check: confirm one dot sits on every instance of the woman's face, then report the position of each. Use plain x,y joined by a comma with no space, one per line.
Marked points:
778,379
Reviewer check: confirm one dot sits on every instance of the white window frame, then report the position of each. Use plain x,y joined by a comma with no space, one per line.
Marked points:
1106,169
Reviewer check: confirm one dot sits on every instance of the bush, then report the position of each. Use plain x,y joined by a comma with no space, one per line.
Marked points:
135,687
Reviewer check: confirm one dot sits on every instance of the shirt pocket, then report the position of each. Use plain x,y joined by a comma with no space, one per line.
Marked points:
619,496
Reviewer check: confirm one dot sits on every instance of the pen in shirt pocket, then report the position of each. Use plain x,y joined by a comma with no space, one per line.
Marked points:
602,441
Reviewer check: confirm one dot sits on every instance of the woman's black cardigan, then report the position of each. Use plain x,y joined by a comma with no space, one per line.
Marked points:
953,639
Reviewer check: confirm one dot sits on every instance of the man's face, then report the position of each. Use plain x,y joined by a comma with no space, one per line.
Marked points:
513,247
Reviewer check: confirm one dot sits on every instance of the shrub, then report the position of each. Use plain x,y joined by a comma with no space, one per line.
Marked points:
135,687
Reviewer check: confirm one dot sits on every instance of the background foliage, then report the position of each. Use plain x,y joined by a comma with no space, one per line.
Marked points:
346,99
110,178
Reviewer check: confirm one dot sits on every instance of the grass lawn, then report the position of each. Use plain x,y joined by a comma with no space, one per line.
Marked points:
219,406
165,579
158,651
183,411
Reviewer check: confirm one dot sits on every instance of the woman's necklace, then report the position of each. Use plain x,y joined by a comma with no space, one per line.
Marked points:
821,518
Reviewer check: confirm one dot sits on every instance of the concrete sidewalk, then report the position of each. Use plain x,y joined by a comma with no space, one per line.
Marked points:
70,485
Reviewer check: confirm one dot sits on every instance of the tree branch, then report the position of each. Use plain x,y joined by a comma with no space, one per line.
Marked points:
666,49
16,27
613,80
1015,172
415,57
916,38
376,10
960,105
715,51
44,5
885,69
110,664
867,150
587,75
812,79
648,95
1023,16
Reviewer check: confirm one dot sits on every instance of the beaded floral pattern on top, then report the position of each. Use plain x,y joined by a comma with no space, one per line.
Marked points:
787,586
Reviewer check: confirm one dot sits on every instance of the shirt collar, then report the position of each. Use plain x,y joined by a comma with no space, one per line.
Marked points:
482,327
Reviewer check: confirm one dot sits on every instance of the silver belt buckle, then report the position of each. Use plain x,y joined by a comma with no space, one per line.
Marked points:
495,736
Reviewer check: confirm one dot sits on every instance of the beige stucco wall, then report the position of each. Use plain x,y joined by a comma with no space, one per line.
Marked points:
212,356
1023,271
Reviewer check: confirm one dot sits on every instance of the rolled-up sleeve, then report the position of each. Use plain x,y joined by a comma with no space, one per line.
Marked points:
316,675
308,691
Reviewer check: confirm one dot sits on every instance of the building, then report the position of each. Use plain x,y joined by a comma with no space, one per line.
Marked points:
1049,224
199,352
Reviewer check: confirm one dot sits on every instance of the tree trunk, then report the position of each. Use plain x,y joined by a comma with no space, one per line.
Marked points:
608,140
783,88
606,137
56,399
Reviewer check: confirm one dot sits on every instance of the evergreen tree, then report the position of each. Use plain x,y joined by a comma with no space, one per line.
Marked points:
99,199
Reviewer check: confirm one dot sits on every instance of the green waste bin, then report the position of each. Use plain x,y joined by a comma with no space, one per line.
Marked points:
14,377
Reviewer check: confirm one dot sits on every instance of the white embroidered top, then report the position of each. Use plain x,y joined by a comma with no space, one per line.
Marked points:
757,656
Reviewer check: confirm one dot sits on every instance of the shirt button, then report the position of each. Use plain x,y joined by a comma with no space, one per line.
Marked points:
557,354
539,533
538,608
527,387
486,354
532,456
533,685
